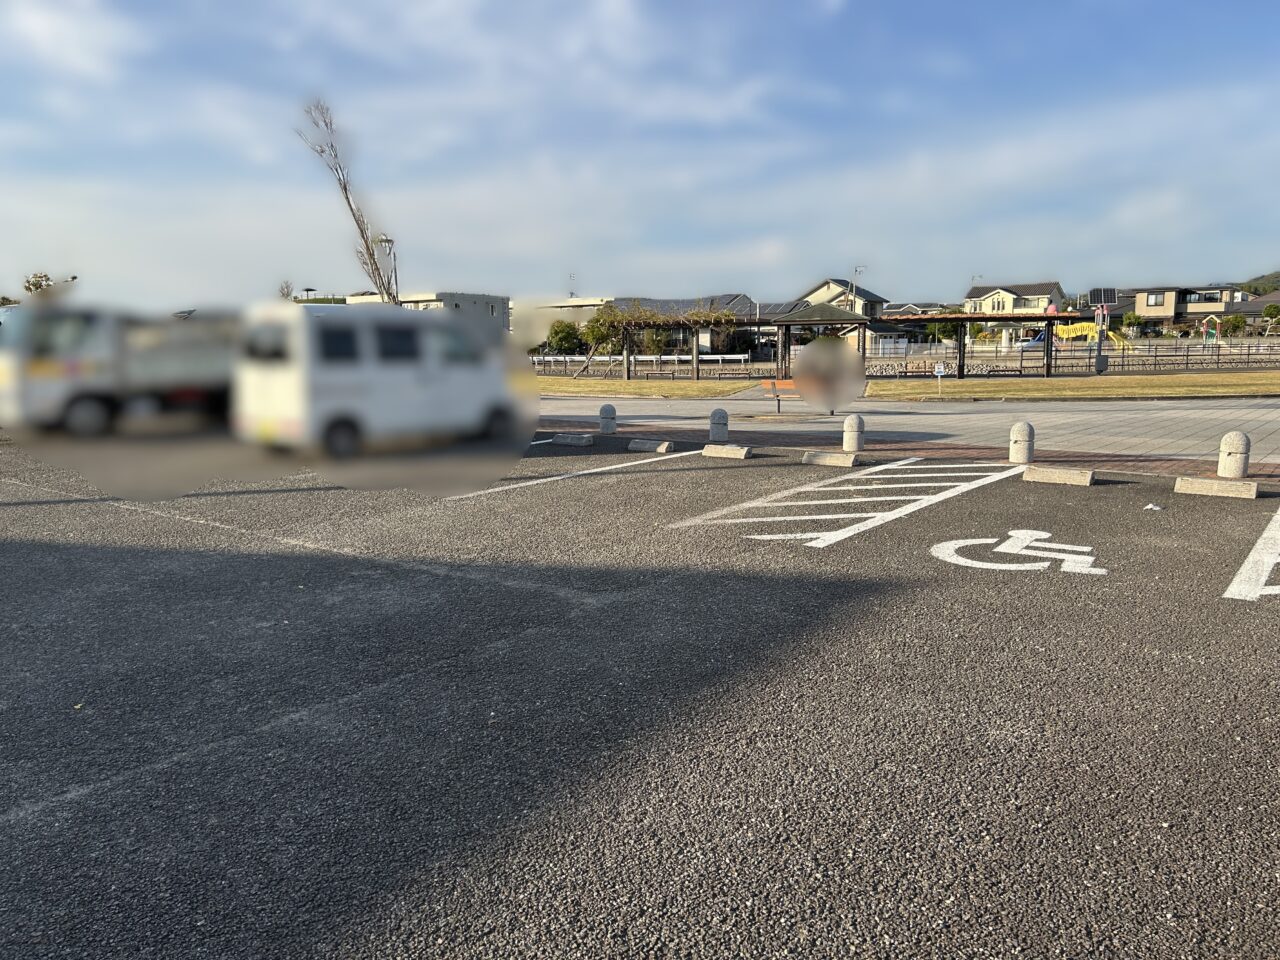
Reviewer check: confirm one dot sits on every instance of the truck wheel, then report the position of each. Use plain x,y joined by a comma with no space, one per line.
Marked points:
342,440
87,417
500,425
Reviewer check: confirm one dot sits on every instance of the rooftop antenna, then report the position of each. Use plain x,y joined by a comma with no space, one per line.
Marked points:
851,293
573,278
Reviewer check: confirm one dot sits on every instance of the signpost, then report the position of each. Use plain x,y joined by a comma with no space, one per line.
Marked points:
939,371
1102,299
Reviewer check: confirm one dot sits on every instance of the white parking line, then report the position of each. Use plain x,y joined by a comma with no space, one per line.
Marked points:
783,494
918,493
827,539
1250,582
576,473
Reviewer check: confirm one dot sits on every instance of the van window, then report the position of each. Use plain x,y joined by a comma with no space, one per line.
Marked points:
397,343
338,344
458,348
267,342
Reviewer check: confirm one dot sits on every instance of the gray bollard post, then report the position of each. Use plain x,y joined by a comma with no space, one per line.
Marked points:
719,432
608,419
854,430
1233,456
1022,442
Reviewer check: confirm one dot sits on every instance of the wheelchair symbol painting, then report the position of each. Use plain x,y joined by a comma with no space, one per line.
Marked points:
1022,543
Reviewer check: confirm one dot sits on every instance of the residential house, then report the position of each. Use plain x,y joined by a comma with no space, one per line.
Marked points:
848,296
1254,311
1018,299
1178,305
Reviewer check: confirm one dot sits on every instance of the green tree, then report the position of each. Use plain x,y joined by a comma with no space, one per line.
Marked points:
8,302
655,341
943,330
564,338
1232,326
1271,311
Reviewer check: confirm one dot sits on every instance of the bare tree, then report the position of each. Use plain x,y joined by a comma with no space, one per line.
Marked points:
285,290
324,143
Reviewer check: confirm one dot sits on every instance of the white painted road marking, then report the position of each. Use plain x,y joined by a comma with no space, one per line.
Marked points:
576,473
773,498
827,539
915,478
1250,582
1026,543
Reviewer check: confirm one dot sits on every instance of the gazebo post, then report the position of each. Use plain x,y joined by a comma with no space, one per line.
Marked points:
626,353
693,356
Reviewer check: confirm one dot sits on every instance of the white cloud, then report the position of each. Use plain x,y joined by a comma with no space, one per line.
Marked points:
81,39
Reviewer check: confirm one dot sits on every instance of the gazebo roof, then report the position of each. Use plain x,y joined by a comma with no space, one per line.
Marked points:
821,313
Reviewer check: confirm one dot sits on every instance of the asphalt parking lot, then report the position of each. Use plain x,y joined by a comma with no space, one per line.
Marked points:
629,704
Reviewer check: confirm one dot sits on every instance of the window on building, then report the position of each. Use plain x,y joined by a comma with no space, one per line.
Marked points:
338,344
397,343
1155,299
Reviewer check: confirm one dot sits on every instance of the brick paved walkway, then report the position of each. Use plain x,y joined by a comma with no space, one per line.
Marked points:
830,440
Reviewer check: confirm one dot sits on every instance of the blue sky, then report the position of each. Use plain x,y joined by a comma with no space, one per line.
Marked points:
653,148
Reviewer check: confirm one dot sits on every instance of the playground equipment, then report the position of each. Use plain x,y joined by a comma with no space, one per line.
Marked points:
1089,330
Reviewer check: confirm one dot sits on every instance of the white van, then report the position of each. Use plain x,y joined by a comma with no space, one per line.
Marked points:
351,378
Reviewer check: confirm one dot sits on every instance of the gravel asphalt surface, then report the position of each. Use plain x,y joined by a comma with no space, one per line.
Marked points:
287,719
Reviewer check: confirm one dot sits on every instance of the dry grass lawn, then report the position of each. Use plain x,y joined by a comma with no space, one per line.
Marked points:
674,389
1261,383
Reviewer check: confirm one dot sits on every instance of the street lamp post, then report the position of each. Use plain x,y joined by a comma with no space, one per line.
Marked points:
389,247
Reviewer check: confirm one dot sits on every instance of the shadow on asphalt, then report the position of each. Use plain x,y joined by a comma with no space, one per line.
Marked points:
250,754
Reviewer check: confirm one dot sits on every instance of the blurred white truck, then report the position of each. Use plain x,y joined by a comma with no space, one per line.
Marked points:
78,369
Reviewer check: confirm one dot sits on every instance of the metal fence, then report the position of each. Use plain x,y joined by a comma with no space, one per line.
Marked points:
1155,357
981,359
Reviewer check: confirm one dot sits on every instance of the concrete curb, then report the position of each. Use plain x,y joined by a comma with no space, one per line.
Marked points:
573,440
1204,486
823,459
1072,476
728,451
651,446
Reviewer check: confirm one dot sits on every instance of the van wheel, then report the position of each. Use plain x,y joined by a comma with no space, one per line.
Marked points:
500,425
342,440
87,417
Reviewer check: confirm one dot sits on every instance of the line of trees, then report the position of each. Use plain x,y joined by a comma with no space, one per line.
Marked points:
614,329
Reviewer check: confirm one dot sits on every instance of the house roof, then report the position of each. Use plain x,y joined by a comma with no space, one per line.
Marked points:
1165,287
1254,307
916,304
1040,289
822,313
737,303
858,291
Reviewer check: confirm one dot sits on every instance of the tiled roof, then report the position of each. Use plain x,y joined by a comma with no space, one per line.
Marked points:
858,291
738,303
1041,289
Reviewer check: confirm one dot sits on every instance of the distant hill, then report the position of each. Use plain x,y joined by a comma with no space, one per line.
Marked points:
1263,284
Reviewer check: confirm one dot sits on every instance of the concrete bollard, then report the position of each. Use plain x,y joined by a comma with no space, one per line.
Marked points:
719,432
1233,456
608,419
854,433
1022,442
